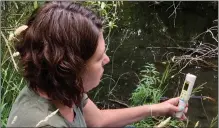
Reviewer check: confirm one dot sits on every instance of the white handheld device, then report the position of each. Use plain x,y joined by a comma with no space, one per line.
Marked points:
185,93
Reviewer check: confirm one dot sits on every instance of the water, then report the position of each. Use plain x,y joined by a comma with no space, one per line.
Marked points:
145,25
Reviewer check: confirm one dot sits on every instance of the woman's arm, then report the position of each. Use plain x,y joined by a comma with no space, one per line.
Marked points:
95,117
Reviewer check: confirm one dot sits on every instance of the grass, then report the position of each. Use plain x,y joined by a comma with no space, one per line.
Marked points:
11,79
213,121
150,89
12,82
15,13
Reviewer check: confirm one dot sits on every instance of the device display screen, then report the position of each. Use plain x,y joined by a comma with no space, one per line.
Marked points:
186,85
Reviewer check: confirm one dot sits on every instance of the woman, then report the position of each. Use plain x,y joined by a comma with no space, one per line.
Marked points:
62,54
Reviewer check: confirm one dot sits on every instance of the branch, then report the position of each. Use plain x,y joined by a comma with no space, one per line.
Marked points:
120,103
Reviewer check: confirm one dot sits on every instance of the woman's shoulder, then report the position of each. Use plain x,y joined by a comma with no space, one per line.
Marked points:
35,118
31,110
24,117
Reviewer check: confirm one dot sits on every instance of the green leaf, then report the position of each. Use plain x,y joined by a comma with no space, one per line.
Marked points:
35,4
102,5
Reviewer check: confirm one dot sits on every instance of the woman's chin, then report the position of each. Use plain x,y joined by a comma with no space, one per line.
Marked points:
89,89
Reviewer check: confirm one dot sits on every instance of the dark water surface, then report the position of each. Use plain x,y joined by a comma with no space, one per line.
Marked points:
143,25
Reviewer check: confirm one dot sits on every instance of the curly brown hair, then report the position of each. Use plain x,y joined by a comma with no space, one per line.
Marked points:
60,38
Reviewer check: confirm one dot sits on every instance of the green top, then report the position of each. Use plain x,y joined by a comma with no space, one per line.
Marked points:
29,109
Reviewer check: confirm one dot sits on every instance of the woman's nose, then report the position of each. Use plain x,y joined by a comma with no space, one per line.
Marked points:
106,60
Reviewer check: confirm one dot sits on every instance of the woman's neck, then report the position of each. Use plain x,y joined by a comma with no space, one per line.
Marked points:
66,112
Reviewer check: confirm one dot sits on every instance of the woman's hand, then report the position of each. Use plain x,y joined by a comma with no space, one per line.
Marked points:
168,108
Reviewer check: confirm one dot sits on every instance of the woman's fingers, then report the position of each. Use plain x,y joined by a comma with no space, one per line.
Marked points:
174,108
185,110
173,101
183,117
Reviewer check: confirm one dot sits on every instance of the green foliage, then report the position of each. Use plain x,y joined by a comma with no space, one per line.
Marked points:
14,14
108,11
145,123
214,121
35,4
166,76
151,86
198,88
149,75
149,91
145,94
12,83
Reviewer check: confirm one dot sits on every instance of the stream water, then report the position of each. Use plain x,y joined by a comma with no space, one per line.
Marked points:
142,25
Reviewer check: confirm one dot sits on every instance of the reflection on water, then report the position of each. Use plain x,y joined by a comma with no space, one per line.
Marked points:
145,25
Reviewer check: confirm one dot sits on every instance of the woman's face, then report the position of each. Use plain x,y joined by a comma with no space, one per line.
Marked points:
94,66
